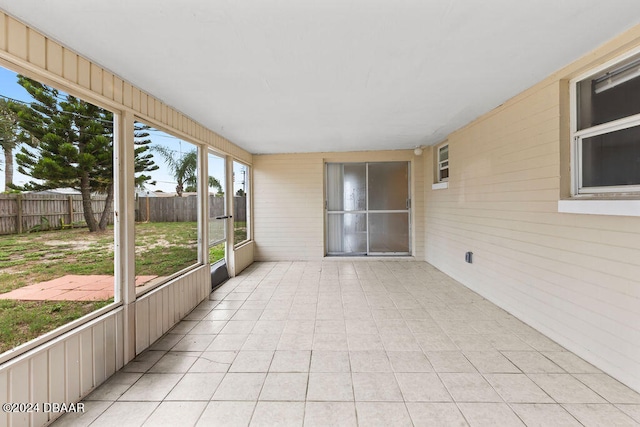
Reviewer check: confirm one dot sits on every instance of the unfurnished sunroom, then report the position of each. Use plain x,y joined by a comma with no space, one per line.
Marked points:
427,211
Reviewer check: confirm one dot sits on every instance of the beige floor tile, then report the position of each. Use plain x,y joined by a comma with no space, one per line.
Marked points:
274,314
166,342
332,387
175,362
409,361
291,361
115,386
449,361
361,326
144,361
471,342
489,414
376,387
196,386
632,410
197,314
172,414
284,386
264,342
219,313
207,327
213,361
539,342
435,342
193,343
295,342
240,386
227,414
564,388
227,342
369,361
330,326
330,414
126,414
299,327
571,363
469,387
400,342
436,414
330,342
490,362
330,361
517,388
238,327
545,415
364,342
382,414
252,361
422,387
83,419
612,390
393,327
532,362
278,414
507,342
246,314
269,327
595,415
151,387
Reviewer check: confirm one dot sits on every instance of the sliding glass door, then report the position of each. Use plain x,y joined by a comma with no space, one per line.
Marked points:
368,208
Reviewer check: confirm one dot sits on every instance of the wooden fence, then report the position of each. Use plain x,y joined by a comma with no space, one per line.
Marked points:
20,213
24,212
178,209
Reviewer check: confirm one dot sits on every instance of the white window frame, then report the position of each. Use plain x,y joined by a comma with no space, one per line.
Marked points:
440,164
577,188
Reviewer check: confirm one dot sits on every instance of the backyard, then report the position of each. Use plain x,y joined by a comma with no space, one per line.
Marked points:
161,250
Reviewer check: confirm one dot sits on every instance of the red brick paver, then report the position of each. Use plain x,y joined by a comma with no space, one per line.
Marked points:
71,287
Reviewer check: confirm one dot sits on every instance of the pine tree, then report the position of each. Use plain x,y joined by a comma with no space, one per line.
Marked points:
8,139
71,145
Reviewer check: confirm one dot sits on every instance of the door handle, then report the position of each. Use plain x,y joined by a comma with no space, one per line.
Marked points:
224,217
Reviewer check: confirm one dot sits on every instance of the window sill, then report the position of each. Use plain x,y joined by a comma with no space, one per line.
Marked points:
440,185
600,207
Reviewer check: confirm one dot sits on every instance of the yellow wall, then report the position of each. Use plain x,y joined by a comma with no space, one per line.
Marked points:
289,202
574,277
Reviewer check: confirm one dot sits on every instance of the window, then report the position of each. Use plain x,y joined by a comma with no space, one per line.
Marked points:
166,231
57,213
443,163
241,191
606,128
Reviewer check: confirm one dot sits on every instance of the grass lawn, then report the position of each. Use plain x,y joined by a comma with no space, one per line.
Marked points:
216,253
161,249
22,321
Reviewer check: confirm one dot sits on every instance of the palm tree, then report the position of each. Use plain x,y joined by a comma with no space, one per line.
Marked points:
184,170
8,139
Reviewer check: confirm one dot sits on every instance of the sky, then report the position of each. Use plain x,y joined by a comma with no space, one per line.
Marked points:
9,88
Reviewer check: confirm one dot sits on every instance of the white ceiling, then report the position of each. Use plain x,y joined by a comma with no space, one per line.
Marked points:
330,75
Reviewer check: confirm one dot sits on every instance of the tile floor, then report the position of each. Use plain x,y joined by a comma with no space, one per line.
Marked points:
343,343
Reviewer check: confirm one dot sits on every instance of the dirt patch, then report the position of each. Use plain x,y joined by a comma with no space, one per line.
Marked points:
76,245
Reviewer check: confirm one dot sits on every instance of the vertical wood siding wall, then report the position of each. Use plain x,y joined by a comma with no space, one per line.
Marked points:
159,310
289,199
574,277
62,370
67,368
